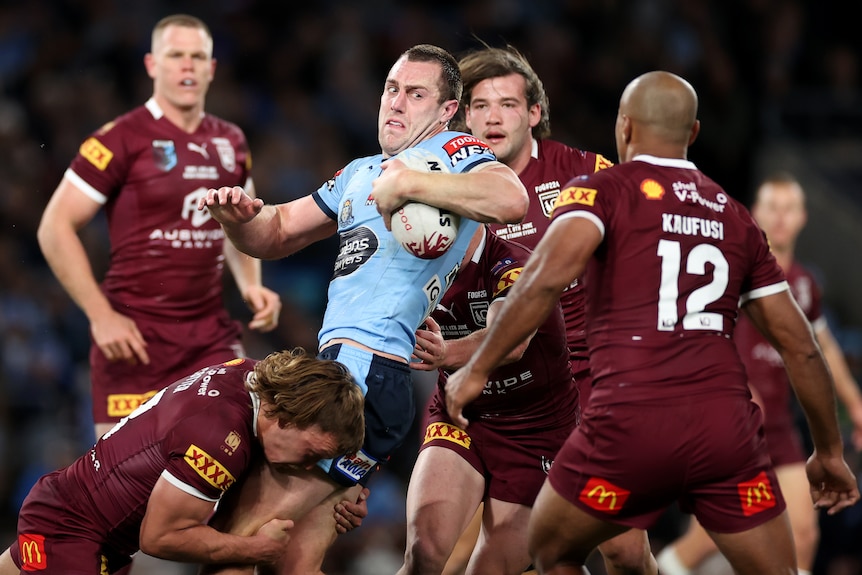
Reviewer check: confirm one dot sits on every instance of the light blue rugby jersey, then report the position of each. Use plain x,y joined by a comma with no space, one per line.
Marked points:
380,294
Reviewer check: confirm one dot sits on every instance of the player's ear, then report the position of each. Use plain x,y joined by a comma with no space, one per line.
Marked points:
150,65
449,109
695,130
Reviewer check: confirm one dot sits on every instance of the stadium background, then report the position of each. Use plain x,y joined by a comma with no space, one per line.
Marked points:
778,82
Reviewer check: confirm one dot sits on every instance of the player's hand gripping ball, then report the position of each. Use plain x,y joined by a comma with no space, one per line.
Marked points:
425,231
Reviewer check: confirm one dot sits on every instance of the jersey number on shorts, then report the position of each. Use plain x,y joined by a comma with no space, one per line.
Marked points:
695,264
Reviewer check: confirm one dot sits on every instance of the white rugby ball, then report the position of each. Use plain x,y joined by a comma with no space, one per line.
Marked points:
425,231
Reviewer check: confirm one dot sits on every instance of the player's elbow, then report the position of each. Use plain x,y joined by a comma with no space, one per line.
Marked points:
514,206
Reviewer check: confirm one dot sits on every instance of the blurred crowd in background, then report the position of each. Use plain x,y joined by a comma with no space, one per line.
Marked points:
304,83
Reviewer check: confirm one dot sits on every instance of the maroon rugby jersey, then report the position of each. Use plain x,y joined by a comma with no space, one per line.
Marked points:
766,372
532,389
664,286
551,165
166,256
198,433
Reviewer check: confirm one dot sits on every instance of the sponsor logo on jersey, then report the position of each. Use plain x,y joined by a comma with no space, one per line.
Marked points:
209,468
32,549
226,153
546,464
200,173
652,190
165,154
231,442
357,247
502,264
602,495
462,147
687,192
479,312
602,163
355,466
507,280
576,195
507,384
447,432
233,362
756,495
96,153
122,404
202,149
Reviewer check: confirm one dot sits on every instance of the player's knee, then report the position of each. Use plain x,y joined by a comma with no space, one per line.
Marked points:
425,555
628,555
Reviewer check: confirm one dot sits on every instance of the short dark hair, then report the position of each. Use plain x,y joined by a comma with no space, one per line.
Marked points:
489,62
182,20
296,387
451,86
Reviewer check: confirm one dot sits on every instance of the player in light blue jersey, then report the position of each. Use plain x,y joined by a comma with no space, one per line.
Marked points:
379,293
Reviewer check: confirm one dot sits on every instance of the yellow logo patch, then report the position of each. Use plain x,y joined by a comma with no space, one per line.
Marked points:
507,280
576,195
209,468
652,190
122,404
447,432
602,162
96,152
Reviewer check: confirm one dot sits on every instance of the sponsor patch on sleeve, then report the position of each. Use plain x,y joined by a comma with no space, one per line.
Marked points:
652,189
209,468
602,163
96,153
355,466
507,280
122,404
576,195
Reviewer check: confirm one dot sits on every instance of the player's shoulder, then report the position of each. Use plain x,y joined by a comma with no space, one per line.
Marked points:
571,159
218,126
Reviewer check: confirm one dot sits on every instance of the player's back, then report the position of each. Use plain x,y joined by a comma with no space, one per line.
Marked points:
665,284
195,432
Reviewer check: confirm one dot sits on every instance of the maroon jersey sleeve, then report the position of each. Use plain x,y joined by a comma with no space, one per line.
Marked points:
664,286
166,255
531,389
551,165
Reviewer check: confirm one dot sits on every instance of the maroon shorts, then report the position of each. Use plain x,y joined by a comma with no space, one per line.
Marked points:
628,463
54,540
785,444
175,350
514,461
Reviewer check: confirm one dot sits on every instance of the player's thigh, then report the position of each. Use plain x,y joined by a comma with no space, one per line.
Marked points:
442,497
460,556
502,543
695,545
628,552
560,532
763,550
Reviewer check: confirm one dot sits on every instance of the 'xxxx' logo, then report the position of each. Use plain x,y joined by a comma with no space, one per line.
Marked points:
208,468
447,432
602,495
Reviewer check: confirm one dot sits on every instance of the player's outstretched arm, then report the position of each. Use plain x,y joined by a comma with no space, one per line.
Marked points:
267,231
174,529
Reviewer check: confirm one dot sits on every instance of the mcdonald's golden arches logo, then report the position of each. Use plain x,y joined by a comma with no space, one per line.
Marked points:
602,495
32,548
756,495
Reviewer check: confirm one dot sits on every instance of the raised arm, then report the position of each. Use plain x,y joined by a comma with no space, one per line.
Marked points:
267,231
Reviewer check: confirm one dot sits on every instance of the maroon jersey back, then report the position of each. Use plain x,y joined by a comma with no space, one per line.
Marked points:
540,384
765,368
551,165
664,286
198,433
166,256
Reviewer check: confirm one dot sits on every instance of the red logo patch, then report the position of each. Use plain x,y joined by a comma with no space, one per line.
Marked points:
32,549
756,495
602,495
